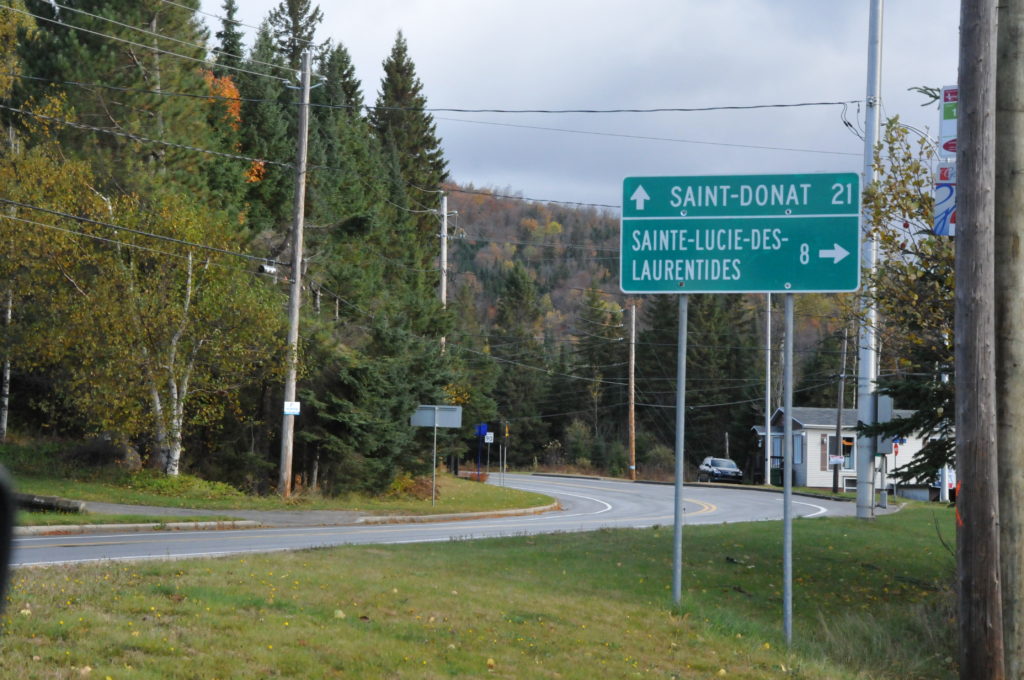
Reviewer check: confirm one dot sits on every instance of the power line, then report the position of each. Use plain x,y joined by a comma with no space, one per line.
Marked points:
681,109
654,139
149,48
224,19
479,192
138,232
162,36
139,138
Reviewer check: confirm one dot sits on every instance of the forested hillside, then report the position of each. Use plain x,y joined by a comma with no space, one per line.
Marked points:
148,181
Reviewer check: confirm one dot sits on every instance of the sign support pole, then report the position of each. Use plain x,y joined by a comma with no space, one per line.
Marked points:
768,391
433,478
867,356
677,534
787,475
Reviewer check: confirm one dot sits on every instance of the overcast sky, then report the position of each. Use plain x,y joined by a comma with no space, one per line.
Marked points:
600,54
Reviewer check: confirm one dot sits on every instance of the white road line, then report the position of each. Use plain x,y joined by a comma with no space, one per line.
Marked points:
821,510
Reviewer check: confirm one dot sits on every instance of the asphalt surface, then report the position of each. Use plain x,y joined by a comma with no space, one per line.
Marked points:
585,505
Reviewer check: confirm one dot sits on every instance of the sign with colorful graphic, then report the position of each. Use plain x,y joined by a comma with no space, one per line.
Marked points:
947,121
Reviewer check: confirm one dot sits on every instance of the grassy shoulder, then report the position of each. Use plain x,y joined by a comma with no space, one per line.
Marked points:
871,601
36,470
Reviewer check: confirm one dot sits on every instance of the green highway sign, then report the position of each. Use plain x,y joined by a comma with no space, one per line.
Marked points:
741,234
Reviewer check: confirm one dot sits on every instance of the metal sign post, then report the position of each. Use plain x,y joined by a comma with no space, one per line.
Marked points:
741,234
436,416
677,532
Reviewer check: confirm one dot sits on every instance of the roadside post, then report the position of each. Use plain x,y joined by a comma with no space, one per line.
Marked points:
436,416
489,439
787,234
481,433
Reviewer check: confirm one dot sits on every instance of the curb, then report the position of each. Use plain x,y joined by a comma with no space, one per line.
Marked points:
68,529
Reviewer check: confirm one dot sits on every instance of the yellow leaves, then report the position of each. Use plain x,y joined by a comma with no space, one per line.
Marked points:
227,95
256,171
458,395
47,115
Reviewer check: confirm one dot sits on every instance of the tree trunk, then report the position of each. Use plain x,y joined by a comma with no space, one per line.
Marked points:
1009,289
980,608
158,458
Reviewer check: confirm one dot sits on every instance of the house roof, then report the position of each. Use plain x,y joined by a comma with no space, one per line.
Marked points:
807,416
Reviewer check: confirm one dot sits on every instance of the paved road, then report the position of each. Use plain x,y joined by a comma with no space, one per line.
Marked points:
587,504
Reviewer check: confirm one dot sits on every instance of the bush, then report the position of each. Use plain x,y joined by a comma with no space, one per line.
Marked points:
659,459
151,481
404,485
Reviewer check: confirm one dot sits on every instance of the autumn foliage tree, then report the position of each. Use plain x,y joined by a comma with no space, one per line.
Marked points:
913,287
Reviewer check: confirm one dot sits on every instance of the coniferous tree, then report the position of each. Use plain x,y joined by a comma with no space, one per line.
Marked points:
408,132
268,108
601,355
293,25
722,372
522,389
229,48
140,134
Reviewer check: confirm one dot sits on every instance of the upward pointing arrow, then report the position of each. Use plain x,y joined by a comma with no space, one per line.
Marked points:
639,197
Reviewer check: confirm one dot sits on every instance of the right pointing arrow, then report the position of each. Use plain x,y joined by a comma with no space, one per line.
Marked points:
836,252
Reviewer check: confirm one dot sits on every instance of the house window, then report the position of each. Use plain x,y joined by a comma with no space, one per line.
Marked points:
798,449
848,447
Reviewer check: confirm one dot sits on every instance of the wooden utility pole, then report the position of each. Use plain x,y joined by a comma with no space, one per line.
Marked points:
284,481
1009,287
980,618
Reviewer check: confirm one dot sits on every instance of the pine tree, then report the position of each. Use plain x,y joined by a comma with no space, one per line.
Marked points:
122,46
229,49
722,376
407,131
523,386
293,25
268,109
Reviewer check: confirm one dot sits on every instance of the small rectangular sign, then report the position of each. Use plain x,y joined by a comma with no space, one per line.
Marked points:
948,113
437,416
291,408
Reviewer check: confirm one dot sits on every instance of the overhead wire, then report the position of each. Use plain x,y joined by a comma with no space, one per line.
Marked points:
150,48
139,232
161,36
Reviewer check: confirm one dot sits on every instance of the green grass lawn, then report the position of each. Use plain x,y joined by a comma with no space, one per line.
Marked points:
36,470
871,601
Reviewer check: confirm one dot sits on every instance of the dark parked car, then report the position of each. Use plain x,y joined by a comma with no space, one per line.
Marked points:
719,470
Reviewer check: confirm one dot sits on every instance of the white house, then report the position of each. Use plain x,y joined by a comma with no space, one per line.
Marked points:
814,433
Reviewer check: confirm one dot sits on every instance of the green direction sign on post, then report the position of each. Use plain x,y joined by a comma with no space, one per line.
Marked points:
741,234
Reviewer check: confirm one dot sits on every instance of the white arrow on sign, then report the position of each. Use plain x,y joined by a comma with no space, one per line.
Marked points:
640,197
836,252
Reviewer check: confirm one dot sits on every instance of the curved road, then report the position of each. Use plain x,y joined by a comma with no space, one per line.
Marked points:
587,504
